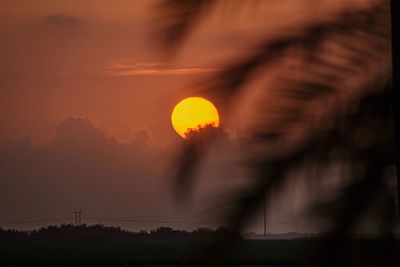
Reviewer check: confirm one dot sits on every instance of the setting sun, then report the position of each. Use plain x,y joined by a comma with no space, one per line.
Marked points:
193,113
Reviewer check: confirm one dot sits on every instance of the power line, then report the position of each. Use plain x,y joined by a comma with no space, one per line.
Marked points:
77,219
145,220
36,221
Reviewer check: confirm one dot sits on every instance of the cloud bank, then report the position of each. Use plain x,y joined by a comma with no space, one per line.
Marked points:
84,168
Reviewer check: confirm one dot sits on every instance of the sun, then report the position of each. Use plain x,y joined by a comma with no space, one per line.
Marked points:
193,113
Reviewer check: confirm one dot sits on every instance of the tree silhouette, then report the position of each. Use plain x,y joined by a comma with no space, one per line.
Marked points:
334,106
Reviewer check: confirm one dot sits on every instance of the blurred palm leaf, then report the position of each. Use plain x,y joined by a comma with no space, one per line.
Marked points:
334,93
178,17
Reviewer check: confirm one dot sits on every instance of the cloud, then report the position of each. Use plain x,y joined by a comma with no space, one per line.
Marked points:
84,167
63,20
126,68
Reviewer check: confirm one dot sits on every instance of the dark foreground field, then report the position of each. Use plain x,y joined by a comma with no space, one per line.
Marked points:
154,252
51,253
97,245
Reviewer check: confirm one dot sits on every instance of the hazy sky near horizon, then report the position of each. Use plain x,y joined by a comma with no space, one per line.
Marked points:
86,100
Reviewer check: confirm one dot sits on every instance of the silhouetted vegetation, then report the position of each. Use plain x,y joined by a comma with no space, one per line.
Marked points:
98,245
11,235
100,233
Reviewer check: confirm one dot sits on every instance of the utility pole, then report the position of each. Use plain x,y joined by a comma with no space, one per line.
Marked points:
78,217
295,224
268,220
75,217
265,219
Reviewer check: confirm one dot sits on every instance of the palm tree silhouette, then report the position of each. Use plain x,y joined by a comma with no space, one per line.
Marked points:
335,108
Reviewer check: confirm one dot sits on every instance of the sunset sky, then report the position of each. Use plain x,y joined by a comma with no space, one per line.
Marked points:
86,99
99,59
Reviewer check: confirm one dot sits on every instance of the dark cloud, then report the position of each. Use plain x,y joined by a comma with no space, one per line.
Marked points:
63,20
85,167
82,167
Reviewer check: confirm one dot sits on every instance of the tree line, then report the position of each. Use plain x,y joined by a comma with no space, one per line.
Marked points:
98,232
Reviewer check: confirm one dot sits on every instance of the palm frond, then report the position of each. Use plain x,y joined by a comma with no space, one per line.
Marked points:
333,85
178,17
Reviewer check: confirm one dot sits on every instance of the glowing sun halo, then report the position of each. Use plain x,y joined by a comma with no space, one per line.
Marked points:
193,113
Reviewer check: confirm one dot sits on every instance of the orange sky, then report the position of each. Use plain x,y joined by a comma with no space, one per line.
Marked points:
95,58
